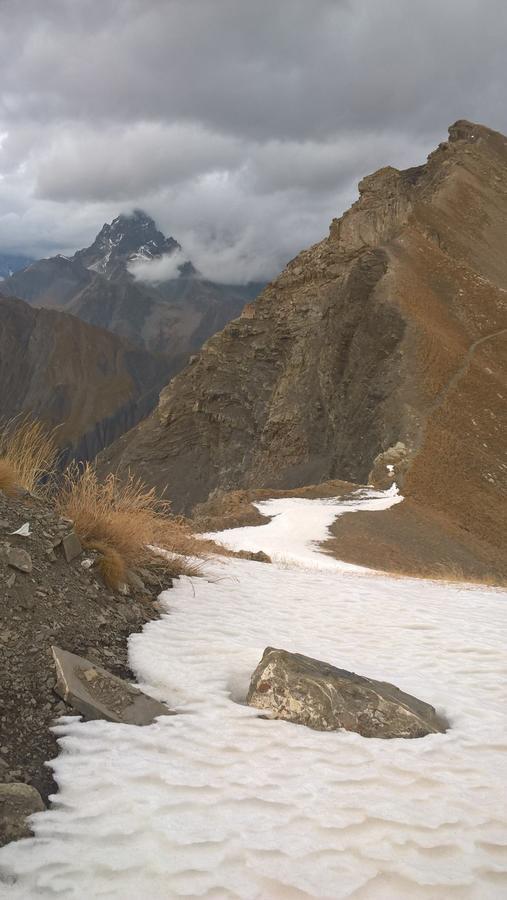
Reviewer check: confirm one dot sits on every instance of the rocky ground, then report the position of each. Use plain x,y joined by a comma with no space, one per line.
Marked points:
46,599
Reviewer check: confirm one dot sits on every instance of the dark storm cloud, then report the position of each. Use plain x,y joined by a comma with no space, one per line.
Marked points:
230,120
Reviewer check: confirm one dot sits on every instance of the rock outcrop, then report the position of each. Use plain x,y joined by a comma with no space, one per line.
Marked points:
391,330
89,382
310,692
172,317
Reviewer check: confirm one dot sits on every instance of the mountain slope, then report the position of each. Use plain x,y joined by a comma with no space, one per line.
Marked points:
172,317
392,329
64,372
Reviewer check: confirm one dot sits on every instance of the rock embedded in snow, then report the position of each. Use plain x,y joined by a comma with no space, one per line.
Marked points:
310,692
97,694
17,801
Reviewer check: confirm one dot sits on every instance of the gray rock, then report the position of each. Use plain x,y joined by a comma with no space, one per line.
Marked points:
134,581
19,559
97,694
17,801
313,693
72,547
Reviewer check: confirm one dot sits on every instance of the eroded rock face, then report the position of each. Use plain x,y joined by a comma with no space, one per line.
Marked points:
310,692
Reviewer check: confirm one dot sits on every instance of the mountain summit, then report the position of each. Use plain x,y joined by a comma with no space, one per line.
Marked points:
379,353
127,239
172,318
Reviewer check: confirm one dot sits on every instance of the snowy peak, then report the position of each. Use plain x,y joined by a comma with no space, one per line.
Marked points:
127,239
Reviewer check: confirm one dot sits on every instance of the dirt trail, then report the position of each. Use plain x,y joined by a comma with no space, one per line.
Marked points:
439,399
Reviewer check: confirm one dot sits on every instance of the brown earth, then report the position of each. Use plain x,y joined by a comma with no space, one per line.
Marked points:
55,603
392,329
412,540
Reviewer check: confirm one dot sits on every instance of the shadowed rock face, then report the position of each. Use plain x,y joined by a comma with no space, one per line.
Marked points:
392,330
89,382
309,692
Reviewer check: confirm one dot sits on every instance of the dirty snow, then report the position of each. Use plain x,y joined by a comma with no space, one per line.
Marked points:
218,803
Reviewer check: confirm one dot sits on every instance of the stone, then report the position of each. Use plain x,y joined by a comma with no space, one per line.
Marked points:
19,559
135,581
72,547
17,801
11,580
97,694
310,692
258,556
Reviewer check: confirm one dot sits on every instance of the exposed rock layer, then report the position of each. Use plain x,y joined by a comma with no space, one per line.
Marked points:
391,330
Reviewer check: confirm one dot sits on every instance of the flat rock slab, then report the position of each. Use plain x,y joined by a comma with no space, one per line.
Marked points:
17,801
96,694
71,546
311,692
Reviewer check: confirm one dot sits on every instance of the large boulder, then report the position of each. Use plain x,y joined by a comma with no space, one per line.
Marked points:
17,801
311,692
97,694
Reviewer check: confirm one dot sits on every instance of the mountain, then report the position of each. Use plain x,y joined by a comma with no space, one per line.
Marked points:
12,262
383,348
173,317
68,373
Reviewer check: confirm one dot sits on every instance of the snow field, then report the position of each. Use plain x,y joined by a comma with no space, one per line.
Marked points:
219,803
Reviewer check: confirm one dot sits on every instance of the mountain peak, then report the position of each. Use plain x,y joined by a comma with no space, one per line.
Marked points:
128,238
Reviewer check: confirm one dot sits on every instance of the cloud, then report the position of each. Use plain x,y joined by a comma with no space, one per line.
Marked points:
163,268
243,128
126,162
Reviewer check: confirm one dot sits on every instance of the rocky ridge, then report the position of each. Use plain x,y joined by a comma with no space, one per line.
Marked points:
391,331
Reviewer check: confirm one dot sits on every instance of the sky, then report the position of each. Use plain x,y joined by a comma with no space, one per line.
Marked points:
242,127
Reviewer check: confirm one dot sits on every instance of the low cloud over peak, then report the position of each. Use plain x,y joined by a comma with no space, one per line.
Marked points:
243,128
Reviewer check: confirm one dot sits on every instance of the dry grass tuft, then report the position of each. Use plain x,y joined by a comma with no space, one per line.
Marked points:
123,520
28,454
8,478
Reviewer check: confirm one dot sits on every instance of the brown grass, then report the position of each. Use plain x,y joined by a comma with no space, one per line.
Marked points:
28,454
8,478
123,520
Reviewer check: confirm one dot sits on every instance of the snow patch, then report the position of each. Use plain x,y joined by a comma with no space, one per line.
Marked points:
219,803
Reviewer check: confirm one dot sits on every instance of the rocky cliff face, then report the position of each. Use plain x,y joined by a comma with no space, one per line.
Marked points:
64,372
392,330
173,317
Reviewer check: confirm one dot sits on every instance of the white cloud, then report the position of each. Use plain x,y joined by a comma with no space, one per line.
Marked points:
163,268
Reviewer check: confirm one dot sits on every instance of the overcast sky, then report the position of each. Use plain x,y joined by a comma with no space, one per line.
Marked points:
242,126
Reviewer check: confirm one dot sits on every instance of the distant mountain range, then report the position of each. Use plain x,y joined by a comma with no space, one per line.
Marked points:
173,317
86,344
